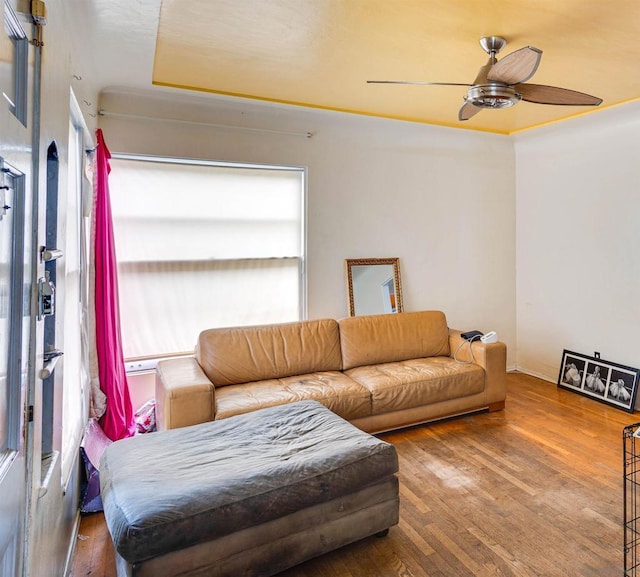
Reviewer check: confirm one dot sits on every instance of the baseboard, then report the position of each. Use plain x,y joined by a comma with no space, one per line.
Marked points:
68,564
532,374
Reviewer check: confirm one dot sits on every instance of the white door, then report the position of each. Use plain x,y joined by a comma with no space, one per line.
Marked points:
16,263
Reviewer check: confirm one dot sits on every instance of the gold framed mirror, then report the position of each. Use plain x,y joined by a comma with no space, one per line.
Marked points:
373,286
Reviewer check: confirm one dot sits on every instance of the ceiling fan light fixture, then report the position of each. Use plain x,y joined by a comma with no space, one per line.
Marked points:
492,96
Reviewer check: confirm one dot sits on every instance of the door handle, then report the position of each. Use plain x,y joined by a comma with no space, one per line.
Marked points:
48,254
50,360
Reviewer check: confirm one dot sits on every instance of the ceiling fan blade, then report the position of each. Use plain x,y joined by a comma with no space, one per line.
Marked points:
516,67
468,110
541,94
416,83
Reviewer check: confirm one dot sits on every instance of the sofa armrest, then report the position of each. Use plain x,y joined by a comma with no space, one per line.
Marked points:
184,394
491,357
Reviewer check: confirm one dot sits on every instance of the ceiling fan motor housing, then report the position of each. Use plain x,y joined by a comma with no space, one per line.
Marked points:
492,96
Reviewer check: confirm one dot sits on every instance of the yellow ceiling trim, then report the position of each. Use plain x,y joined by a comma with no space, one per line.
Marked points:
456,125
332,109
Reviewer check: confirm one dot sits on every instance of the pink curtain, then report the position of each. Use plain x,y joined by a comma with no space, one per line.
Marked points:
118,420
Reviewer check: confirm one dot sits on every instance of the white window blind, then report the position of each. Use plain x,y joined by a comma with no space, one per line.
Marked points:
202,246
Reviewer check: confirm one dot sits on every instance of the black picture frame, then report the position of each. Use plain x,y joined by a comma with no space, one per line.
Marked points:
607,382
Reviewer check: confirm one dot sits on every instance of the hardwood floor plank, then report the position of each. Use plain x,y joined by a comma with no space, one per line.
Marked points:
94,554
456,552
534,490
416,538
410,496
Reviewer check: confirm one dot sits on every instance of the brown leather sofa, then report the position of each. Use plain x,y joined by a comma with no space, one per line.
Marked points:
380,372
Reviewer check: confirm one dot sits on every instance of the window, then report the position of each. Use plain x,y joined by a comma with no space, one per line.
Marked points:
13,71
75,361
13,320
14,355
203,245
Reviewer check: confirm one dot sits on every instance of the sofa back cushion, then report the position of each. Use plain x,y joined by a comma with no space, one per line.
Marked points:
244,354
375,339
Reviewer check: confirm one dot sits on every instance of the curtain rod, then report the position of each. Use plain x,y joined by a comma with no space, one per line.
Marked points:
103,112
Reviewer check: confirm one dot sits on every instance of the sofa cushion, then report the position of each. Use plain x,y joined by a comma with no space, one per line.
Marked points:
416,382
172,489
235,355
370,340
335,390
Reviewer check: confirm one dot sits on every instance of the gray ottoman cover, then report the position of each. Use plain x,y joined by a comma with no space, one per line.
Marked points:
169,490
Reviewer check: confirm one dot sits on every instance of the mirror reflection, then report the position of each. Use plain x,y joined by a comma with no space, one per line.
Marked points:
373,286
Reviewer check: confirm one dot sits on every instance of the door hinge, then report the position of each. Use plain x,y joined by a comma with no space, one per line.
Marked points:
39,12
30,414
39,16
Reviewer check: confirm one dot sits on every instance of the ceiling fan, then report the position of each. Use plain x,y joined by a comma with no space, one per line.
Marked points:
501,83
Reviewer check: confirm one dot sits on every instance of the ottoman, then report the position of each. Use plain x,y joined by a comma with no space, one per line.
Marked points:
249,495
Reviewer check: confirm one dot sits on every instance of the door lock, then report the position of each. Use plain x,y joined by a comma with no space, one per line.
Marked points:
46,297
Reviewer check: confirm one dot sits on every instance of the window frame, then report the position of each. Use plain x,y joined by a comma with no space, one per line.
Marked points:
17,36
72,430
141,365
10,445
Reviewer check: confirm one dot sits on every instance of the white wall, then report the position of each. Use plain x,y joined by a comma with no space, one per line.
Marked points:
440,199
578,240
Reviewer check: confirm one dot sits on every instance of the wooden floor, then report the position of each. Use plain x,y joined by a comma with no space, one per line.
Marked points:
534,490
